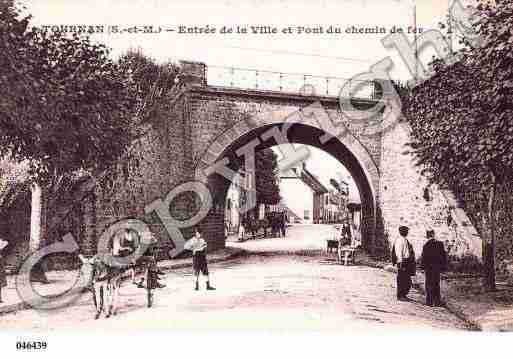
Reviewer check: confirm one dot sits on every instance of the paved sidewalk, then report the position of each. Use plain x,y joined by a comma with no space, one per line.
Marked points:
464,297
61,281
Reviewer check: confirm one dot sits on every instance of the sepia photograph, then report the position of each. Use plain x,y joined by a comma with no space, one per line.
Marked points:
333,175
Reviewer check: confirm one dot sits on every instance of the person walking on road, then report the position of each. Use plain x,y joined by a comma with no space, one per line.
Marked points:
253,227
242,230
283,225
149,257
3,277
403,257
434,262
273,223
265,224
198,247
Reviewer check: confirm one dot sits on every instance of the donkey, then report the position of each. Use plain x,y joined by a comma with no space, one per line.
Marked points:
105,282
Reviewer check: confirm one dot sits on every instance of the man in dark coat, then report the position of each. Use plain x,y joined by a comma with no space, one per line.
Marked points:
274,225
266,223
434,262
282,223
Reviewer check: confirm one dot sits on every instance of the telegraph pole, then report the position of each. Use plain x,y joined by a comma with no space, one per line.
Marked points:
415,41
449,34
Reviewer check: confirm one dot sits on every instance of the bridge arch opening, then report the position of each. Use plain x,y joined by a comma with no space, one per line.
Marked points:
297,134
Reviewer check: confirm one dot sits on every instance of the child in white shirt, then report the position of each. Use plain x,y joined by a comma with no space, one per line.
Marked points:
198,247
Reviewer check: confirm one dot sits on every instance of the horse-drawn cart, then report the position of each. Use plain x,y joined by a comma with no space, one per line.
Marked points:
345,241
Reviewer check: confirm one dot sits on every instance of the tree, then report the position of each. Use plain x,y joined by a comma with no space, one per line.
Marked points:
65,106
12,175
151,85
266,177
335,184
462,132
152,82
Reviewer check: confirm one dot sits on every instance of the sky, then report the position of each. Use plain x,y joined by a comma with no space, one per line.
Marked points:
335,55
276,52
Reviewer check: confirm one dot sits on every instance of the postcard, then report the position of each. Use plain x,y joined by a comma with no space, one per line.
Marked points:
273,166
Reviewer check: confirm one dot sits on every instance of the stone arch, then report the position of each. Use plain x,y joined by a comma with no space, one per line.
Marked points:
304,129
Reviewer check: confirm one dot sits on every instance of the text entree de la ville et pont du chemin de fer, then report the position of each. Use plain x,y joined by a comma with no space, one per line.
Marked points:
235,29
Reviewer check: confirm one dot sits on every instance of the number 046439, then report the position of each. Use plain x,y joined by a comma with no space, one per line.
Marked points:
31,345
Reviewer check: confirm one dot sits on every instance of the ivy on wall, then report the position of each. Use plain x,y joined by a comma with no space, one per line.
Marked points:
462,133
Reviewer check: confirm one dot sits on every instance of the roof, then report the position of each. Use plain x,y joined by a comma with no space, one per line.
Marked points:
306,177
313,182
291,213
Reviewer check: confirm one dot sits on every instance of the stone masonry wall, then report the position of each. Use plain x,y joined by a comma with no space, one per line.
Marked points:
403,200
182,132
212,115
215,118
152,167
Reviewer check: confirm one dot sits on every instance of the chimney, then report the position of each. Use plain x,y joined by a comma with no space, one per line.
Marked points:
193,73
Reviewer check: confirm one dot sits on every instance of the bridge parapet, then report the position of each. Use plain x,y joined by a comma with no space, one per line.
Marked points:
293,83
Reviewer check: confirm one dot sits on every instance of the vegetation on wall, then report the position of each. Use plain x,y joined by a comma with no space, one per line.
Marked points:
152,83
462,133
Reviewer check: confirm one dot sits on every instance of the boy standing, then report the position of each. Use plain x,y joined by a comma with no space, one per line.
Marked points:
198,247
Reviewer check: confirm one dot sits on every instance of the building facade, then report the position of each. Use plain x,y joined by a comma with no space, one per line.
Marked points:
302,194
335,204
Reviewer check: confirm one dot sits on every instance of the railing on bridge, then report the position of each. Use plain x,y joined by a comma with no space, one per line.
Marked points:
291,83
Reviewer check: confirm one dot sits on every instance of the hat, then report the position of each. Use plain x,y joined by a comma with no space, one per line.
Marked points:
430,233
403,230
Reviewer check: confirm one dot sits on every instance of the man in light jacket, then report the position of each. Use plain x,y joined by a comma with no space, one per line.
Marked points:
402,256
